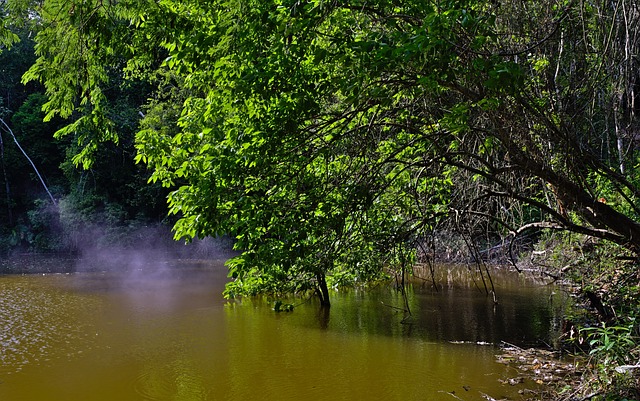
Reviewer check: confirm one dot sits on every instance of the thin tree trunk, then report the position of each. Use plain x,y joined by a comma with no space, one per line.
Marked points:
619,138
6,182
29,159
404,288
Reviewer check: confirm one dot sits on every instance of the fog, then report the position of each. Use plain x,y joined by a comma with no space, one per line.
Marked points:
130,252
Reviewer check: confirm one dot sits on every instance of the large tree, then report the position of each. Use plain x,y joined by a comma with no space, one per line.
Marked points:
331,138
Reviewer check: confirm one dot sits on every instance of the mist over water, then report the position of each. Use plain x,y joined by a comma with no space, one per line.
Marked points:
143,273
128,251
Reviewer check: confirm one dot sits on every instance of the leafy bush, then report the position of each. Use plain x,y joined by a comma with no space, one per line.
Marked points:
614,361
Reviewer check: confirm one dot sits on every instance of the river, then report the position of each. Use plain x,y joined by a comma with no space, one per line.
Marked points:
164,332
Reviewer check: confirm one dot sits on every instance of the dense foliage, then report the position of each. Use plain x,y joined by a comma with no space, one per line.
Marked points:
332,140
335,140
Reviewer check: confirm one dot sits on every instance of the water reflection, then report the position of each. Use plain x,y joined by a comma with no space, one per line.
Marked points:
527,313
165,333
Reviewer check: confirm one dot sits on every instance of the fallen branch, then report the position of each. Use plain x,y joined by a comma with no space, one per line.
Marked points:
626,368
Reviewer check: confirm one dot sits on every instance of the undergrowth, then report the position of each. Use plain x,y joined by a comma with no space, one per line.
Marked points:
604,324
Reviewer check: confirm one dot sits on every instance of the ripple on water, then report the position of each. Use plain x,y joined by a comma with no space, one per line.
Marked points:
171,382
40,322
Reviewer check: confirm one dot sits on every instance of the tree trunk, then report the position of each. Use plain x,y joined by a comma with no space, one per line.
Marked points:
323,291
621,229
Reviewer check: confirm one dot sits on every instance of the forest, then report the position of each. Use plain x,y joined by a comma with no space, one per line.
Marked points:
337,142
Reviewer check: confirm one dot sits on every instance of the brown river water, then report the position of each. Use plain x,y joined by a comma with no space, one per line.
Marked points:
164,332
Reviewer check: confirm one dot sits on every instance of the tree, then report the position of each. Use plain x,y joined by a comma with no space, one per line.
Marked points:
7,37
331,139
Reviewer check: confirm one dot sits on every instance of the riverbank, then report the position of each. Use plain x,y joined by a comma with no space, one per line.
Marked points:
553,371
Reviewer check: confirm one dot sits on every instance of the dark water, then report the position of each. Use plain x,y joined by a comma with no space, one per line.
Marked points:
163,332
